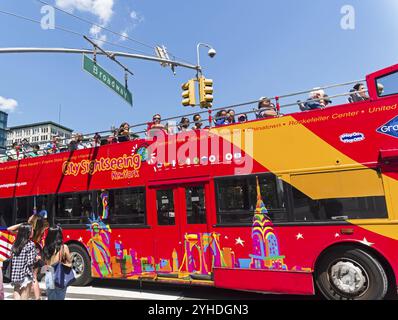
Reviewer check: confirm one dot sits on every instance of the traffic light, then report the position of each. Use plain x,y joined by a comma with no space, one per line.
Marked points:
189,93
205,92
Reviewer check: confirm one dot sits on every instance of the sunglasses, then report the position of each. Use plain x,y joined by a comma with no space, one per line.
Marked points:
156,119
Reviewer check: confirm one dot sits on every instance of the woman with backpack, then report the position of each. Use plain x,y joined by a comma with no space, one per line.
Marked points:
24,255
55,253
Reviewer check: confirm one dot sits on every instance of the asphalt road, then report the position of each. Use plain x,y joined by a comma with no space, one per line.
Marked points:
131,290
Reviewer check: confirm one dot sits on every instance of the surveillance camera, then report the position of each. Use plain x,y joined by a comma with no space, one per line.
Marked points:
212,53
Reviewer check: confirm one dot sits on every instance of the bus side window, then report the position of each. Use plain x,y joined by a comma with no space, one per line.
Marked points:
165,207
387,85
237,198
24,208
342,195
6,212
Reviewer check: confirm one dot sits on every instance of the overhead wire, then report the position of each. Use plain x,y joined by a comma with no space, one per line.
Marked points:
72,32
107,29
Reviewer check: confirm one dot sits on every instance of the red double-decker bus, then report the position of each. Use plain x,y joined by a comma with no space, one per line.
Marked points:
289,204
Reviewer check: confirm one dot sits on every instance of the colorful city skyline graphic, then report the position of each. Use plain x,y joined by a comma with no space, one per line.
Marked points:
201,253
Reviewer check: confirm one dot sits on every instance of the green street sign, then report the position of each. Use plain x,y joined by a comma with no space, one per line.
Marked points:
98,72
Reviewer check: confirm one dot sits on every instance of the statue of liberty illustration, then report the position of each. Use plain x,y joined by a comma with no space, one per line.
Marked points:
265,242
98,246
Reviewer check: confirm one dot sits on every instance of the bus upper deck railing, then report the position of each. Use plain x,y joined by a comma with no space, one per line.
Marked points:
140,130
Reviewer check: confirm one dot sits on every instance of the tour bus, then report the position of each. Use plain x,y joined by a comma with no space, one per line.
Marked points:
301,203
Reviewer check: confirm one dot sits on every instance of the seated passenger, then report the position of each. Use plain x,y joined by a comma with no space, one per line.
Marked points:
197,119
76,143
35,151
113,137
310,104
53,145
155,125
380,89
242,117
15,153
359,93
231,116
97,140
124,132
184,125
266,109
221,118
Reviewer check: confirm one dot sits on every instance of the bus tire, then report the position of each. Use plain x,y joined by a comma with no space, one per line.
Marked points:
348,273
81,264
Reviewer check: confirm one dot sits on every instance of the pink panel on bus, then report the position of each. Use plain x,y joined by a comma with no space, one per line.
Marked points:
286,282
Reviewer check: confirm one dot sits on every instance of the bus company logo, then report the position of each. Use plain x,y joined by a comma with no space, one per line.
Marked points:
352,137
124,167
390,128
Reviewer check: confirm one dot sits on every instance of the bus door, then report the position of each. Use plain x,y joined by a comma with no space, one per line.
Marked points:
180,231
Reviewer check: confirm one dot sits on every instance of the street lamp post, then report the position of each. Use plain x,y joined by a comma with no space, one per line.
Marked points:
211,54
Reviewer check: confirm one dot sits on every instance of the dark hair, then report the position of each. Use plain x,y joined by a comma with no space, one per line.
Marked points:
53,243
195,116
40,227
356,87
183,120
22,239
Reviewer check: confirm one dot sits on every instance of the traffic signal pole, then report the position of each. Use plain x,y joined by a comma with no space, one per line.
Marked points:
110,53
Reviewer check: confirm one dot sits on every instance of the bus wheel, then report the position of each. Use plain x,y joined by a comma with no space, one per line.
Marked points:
81,264
345,273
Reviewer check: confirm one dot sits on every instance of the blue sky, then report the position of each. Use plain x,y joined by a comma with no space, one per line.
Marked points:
264,48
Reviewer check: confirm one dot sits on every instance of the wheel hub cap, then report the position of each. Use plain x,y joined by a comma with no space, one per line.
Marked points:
348,277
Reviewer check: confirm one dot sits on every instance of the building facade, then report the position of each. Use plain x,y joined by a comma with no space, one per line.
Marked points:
38,133
3,131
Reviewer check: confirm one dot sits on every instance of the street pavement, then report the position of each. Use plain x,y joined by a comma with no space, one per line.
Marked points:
129,290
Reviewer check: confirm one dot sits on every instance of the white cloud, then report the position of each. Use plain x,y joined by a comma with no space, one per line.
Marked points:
8,105
124,35
103,9
137,18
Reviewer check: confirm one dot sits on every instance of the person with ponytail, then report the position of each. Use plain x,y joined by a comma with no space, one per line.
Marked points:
24,256
39,224
54,252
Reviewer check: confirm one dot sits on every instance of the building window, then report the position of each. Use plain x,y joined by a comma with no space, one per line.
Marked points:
237,198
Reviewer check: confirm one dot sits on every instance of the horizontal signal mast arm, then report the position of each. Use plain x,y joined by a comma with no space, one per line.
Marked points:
112,53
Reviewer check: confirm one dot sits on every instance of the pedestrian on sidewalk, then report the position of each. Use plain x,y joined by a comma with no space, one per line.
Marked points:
24,255
39,223
55,252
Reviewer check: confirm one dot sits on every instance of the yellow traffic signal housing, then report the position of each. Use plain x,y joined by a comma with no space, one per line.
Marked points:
205,92
189,93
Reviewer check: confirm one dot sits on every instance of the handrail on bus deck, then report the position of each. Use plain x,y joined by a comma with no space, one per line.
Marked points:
211,118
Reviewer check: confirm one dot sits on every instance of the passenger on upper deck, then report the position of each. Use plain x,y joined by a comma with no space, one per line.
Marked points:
35,151
318,104
231,116
266,108
380,89
242,117
198,122
124,132
97,140
183,125
359,93
53,145
155,125
221,118
76,143
113,137
15,153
